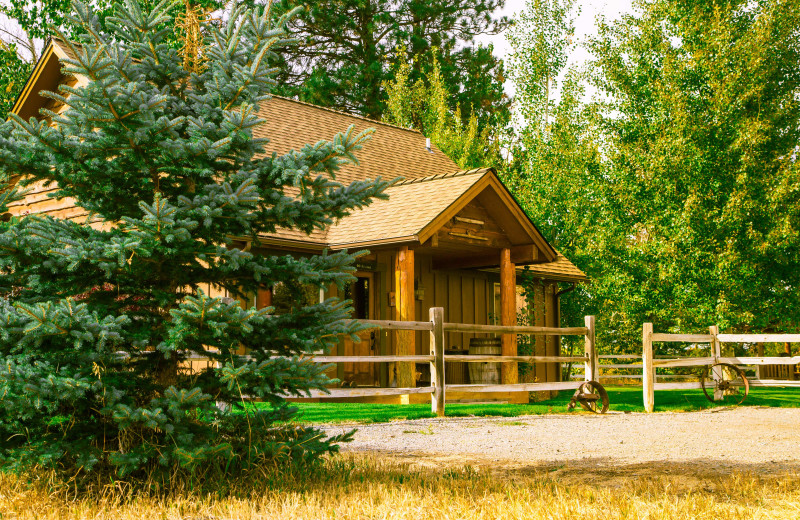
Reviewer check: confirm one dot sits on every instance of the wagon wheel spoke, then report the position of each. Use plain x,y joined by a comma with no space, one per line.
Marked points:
591,396
732,386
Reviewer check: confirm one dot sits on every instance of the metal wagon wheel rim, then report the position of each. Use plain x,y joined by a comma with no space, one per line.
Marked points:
592,388
739,381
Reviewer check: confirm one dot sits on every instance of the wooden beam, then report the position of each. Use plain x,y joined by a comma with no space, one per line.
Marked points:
508,315
404,311
526,254
520,255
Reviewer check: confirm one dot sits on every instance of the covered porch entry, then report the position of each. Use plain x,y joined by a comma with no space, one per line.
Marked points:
467,239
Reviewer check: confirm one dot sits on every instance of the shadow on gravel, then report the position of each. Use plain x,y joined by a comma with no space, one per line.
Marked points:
604,471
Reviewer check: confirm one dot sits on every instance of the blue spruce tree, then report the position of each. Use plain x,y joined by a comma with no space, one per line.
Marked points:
99,317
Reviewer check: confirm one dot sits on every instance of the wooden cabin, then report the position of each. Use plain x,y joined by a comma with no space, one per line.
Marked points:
445,238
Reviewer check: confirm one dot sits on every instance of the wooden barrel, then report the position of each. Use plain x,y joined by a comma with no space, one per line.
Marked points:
456,372
486,373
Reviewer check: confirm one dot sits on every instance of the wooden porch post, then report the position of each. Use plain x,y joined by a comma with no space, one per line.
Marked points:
404,311
508,314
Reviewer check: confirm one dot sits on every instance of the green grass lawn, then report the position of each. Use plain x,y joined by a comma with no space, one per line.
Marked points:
621,399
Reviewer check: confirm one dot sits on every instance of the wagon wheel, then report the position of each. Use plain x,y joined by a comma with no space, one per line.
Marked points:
591,396
731,389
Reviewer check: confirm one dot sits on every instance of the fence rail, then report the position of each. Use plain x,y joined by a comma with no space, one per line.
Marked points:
714,339
437,359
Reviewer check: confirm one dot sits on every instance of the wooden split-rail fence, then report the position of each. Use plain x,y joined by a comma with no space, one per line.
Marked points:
715,340
437,358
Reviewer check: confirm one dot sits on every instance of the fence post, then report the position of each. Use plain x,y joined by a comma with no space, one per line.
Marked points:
590,372
648,369
437,366
716,353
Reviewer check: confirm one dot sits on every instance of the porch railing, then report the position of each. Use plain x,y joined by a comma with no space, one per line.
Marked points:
437,358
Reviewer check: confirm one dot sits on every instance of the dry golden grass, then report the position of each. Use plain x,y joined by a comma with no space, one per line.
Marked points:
363,487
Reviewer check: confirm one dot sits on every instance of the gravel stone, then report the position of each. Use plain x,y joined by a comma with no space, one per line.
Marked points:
763,440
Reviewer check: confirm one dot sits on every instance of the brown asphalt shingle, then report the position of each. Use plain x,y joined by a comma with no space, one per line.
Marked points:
391,152
432,181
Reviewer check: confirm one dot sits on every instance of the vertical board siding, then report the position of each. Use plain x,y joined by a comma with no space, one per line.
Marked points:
539,321
550,341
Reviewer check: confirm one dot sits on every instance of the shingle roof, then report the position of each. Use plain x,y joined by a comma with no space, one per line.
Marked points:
432,181
411,206
391,152
559,269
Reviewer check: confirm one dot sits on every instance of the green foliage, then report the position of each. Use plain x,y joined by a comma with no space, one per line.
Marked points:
702,120
622,399
425,106
347,47
541,40
675,189
100,320
555,158
14,71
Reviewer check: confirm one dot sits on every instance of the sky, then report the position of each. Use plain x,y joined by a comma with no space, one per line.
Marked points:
584,25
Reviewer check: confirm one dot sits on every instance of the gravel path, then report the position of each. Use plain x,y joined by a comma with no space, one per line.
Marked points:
761,440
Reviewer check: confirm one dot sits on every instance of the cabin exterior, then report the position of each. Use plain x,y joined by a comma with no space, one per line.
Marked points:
444,238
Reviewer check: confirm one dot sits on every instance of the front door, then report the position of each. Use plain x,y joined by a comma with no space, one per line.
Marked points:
362,293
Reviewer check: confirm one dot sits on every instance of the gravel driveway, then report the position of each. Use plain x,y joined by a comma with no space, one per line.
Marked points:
761,440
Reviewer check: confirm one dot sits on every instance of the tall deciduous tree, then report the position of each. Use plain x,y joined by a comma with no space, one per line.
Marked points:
425,106
99,318
555,158
346,50
702,122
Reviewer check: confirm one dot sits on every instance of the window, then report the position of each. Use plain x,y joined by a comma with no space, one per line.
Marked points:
520,304
358,292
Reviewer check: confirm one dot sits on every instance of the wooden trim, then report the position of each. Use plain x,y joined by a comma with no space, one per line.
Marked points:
290,245
489,180
465,262
404,240
22,99
518,329
434,225
524,254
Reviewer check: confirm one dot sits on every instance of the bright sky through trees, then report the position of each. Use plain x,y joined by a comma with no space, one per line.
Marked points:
584,26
